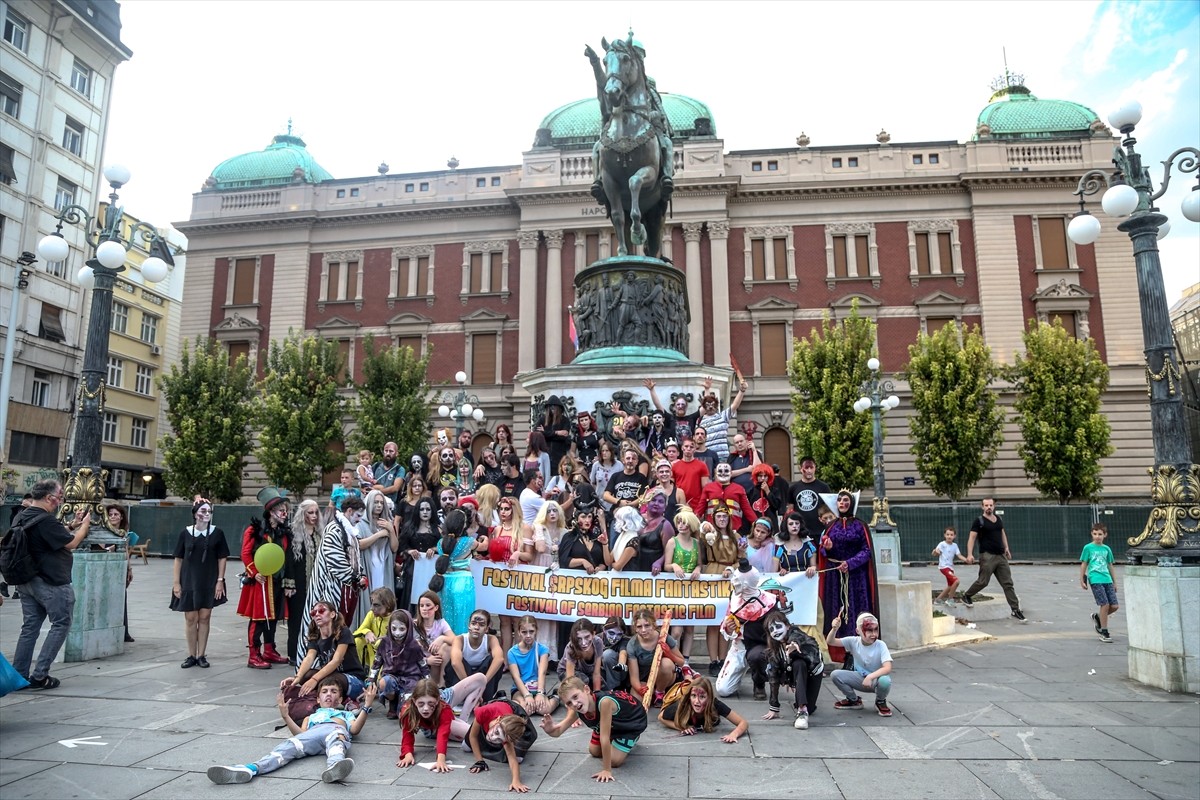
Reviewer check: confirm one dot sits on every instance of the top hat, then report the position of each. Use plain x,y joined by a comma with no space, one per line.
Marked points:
271,496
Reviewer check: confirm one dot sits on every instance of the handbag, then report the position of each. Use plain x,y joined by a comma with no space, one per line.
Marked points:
732,671
299,706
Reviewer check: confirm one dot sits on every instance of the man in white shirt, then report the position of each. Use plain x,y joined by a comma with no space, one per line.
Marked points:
531,496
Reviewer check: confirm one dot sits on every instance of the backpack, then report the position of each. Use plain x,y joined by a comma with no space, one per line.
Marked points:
17,564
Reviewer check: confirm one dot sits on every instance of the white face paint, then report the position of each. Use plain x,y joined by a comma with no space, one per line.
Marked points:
495,734
442,438
354,516
426,706
425,512
399,630
778,631
724,473
584,640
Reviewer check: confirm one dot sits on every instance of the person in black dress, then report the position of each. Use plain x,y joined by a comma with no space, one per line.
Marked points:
199,580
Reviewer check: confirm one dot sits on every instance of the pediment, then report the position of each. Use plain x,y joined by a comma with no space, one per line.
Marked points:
336,323
236,322
864,301
940,298
1063,291
484,315
771,303
409,318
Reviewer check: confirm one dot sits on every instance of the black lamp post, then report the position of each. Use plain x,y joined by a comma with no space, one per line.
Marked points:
84,480
878,397
1172,534
465,405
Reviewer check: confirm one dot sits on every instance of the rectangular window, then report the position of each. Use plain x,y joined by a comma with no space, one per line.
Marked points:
73,137
592,248
772,348
244,270
111,428
945,252
840,266
149,328
483,358
496,271
408,187
39,394
58,268
935,324
116,371
780,246
16,30
772,166
8,167
32,449
1053,234
139,433
120,317
853,161
917,159
837,163
10,96
351,280
922,240
424,186
343,359
64,194
407,280
354,192
1068,322
481,183
476,276
239,350
144,380
756,166
81,78
413,342
50,325
862,256
495,181
758,260
341,193
933,158
333,281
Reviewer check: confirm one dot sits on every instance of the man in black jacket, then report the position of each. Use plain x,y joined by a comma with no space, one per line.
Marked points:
49,594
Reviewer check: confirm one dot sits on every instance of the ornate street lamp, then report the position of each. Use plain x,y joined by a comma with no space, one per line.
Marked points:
84,480
1174,523
878,397
464,405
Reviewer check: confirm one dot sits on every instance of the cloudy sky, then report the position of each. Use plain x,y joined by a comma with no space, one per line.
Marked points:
413,83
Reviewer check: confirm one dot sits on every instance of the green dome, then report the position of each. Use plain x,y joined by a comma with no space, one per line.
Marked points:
286,160
1015,113
578,124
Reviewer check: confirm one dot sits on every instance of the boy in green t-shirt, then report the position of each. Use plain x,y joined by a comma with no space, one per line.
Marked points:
1095,570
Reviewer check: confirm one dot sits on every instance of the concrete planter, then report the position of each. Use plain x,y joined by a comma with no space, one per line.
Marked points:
943,626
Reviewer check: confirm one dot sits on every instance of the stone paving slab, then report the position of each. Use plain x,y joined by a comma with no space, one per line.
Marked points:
908,780
1176,781
122,747
34,734
13,770
1184,711
1171,744
762,779
935,742
197,786
978,713
821,740
1063,743
637,777
1086,780
69,781
1050,713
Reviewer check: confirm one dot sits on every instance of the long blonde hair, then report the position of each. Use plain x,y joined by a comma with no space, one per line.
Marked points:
374,521
488,496
304,541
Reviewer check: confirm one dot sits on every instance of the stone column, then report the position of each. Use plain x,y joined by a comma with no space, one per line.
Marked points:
668,247
695,290
554,308
527,359
718,240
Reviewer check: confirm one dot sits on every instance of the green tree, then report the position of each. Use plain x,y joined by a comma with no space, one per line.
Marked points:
210,406
393,400
300,412
958,427
1059,382
826,370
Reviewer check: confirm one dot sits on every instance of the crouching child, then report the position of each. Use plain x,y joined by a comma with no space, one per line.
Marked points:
327,730
501,731
872,664
617,719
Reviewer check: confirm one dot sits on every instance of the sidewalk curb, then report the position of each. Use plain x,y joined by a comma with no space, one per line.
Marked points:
941,642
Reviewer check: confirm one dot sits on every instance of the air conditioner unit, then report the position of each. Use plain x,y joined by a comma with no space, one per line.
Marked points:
155,350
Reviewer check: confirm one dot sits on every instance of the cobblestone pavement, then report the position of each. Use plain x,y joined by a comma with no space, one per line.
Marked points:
1044,710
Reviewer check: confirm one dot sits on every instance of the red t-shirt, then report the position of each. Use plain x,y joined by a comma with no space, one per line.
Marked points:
443,731
688,476
486,715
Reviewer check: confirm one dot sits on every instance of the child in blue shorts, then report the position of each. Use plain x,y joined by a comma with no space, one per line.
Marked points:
1095,571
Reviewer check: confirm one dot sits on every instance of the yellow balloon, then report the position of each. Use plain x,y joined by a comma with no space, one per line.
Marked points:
268,559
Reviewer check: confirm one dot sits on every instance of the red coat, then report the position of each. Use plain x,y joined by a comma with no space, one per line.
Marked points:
262,601
730,491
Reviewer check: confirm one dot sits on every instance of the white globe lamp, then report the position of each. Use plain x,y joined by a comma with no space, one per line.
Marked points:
86,277
53,247
1119,200
154,269
1084,229
111,254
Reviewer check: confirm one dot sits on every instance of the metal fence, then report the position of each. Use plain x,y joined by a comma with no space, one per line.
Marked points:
1041,532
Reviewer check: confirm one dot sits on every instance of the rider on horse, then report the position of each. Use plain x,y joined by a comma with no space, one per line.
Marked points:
657,116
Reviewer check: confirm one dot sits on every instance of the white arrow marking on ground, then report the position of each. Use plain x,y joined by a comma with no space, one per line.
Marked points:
76,742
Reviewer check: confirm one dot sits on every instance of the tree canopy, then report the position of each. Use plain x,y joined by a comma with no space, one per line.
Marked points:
393,400
210,407
957,427
1059,382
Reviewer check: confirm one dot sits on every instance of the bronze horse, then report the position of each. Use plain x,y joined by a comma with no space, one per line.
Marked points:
629,153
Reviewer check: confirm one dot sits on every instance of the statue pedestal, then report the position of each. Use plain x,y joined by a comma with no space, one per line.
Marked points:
1163,604
97,628
887,555
905,613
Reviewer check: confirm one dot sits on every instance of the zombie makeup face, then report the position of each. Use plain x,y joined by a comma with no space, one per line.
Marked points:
793,527
657,505
426,706
329,696
354,516
612,636
844,502
584,639
417,463
398,630
681,408
724,473
699,699
495,733
630,460
114,517
449,500
426,608
552,515
446,456
657,420
778,630
442,438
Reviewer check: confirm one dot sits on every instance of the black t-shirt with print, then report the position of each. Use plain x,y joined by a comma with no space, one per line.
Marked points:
627,487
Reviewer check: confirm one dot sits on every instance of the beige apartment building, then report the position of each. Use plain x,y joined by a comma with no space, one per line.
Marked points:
479,262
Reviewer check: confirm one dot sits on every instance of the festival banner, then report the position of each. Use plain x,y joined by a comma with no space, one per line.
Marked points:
567,594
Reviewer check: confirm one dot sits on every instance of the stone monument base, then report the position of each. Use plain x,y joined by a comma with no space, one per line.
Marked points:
905,613
1163,604
98,628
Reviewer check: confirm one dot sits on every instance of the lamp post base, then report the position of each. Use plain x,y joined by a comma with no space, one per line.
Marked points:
1164,626
1172,533
97,628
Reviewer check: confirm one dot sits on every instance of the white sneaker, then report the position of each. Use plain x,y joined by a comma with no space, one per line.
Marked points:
939,602
801,723
338,771
951,604
235,774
